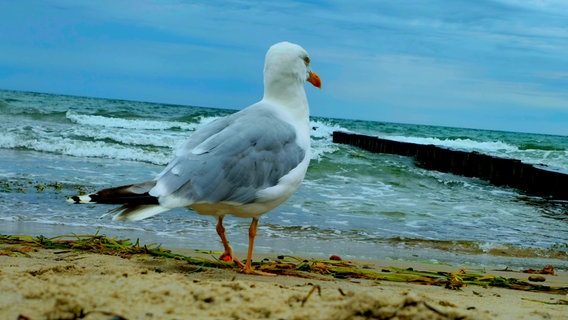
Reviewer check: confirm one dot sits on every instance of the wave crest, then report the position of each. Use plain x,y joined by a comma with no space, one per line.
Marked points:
109,122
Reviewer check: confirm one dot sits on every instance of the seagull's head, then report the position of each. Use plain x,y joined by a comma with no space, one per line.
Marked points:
288,63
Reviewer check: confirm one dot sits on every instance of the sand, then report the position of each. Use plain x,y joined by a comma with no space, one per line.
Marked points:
38,283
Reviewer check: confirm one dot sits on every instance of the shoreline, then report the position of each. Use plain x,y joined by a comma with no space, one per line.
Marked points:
441,252
40,283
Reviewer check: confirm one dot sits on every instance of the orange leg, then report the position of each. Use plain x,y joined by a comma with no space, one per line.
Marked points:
228,253
247,267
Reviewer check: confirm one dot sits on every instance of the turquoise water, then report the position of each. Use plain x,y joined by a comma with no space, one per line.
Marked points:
352,203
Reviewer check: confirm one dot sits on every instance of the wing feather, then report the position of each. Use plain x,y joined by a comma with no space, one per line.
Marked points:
232,160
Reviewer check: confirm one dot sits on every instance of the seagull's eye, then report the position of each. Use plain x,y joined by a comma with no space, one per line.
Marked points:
307,60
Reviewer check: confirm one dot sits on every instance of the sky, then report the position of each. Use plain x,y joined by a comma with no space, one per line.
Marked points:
486,64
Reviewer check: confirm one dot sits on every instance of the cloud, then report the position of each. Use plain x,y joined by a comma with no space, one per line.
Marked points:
434,84
430,62
547,6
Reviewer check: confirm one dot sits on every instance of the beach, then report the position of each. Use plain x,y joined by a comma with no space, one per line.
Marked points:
40,283
413,243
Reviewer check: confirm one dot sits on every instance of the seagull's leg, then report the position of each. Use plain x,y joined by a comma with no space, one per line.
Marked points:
247,267
228,253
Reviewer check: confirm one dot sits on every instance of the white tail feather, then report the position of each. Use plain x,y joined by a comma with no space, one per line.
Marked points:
138,213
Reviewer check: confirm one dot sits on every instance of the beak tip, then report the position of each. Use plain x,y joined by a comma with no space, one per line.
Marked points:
315,80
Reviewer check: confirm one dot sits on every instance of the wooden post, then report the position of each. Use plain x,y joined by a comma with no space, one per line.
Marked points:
532,179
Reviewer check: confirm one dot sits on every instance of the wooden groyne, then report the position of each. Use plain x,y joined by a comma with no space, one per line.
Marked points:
532,179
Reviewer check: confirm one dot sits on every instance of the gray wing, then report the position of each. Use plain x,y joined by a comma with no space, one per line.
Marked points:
232,158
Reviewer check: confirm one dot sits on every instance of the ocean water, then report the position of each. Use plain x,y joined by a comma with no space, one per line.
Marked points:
352,203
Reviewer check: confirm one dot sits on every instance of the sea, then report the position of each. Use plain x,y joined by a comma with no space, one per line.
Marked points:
352,203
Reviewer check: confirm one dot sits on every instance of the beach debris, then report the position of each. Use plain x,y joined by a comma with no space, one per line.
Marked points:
15,252
446,303
20,245
310,294
81,314
320,267
556,302
549,269
455,281
537,278
282,257
276,267
24,185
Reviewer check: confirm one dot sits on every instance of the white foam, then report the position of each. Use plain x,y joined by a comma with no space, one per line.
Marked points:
78,148
321,129
109,122
322,138
460,144
167,139
128,139
495,148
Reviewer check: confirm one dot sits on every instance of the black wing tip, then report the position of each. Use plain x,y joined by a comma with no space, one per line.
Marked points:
80,199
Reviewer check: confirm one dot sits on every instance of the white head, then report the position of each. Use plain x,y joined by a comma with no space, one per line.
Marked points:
286,69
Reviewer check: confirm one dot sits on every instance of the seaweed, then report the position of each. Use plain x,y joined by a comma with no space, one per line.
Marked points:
283,265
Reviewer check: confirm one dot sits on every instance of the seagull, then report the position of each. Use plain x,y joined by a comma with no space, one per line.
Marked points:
244,164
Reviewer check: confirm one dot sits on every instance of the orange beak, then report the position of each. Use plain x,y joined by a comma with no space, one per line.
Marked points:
314,79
